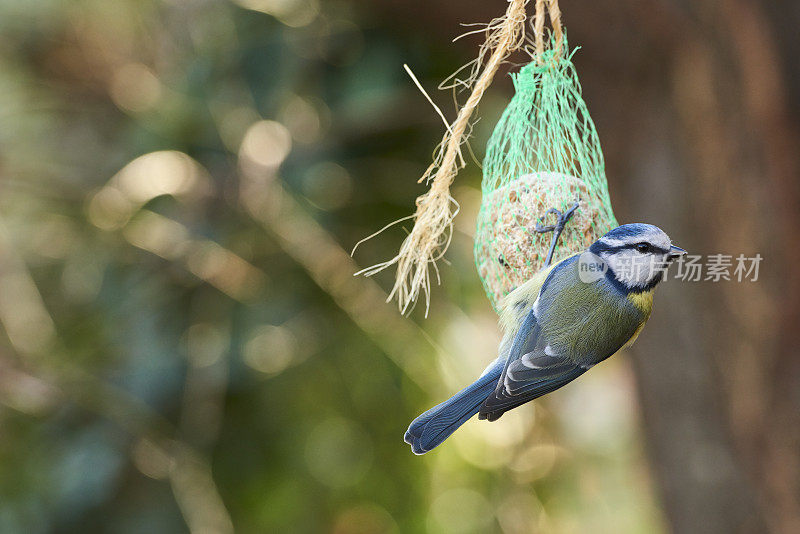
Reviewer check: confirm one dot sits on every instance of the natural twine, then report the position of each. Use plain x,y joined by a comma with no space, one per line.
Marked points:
436,209
538,27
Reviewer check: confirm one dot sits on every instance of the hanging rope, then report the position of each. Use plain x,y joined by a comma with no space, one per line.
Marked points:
538,27
436,209
433,219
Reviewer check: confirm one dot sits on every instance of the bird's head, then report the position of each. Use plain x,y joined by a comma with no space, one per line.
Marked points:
636,255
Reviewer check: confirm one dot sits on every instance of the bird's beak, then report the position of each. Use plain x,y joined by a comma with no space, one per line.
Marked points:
675,253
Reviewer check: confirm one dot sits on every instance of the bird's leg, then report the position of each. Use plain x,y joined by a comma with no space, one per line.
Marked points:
557,228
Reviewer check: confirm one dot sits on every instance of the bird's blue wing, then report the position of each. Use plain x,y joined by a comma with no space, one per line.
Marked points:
531,370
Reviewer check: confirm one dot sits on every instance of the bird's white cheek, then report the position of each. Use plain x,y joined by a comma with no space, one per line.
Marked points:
632,268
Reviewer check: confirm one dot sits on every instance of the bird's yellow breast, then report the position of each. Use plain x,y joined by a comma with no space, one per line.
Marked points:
643,301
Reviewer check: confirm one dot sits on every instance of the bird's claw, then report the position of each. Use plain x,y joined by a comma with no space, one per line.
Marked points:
562,218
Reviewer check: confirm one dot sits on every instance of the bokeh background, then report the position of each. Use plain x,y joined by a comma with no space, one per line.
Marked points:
184,347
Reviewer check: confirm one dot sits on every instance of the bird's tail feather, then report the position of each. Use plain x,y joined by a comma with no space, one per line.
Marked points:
434,426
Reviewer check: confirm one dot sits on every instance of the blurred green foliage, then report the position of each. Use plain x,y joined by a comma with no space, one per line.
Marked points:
184,346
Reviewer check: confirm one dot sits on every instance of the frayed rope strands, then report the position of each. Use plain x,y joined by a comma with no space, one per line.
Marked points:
436,209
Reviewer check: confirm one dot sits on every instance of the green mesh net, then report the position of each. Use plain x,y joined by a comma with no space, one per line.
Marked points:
544,153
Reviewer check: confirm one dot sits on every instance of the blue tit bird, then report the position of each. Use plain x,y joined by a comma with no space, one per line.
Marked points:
557,325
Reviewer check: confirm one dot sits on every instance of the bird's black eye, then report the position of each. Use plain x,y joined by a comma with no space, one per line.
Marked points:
644,248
